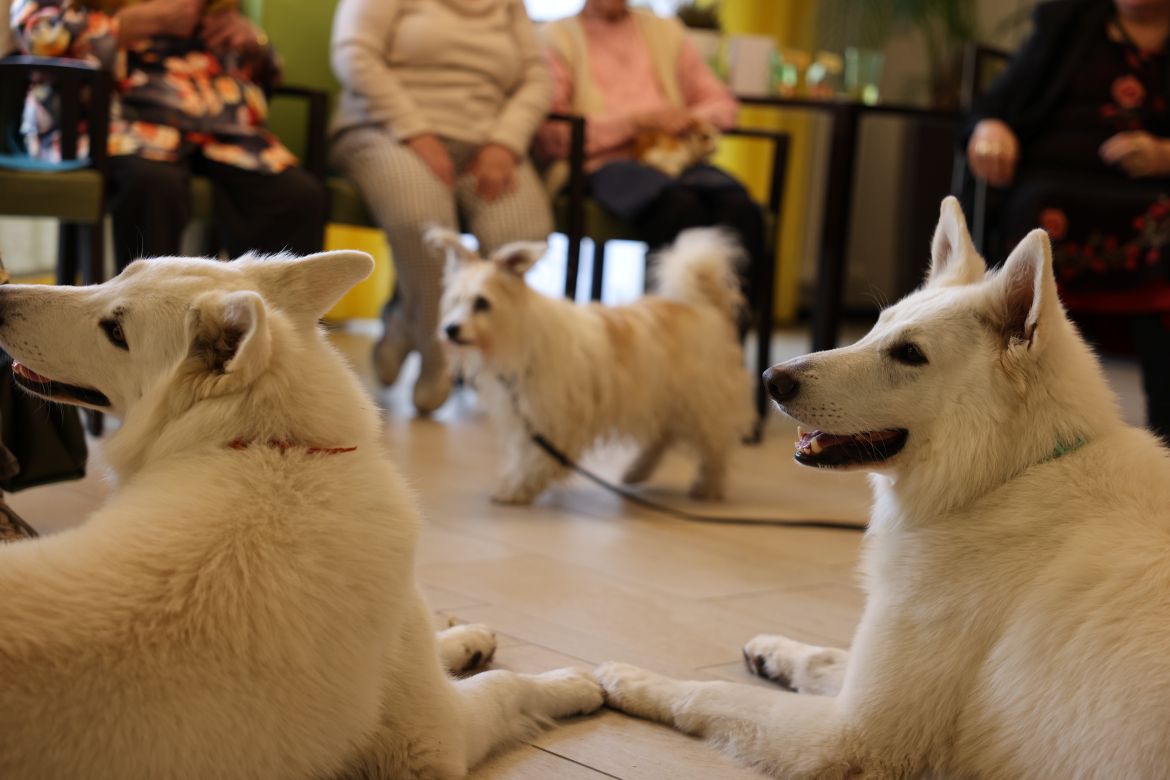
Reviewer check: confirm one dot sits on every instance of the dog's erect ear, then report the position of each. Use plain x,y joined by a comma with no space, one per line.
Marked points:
440,239
307,287
1026,288
518,257
953,259
228,340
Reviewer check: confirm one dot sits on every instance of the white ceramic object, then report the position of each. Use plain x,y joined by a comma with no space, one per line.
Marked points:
749,64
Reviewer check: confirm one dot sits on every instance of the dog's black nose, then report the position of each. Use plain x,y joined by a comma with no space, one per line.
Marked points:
782,384
453,331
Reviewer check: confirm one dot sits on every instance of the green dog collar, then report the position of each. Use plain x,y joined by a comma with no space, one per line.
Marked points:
1064,448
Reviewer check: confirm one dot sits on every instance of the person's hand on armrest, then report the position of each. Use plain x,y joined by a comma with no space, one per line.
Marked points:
494,168
434,155
1138,153
140,21
993,152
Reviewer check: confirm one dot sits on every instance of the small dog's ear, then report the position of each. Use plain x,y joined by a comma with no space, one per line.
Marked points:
308,287
229,343
518,257
953,258
440,239
1026,289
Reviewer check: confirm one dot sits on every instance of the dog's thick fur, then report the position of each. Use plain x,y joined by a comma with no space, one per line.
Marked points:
1017,561
664,370
233,611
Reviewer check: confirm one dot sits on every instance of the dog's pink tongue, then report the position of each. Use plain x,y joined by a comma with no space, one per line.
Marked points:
28,373
816,442
821,439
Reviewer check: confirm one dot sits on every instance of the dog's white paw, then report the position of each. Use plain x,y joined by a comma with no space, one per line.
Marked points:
636,691
772,657
795,665
569,692
466,649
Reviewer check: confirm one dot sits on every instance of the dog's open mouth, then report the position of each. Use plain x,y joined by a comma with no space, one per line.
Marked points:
56,391
830,451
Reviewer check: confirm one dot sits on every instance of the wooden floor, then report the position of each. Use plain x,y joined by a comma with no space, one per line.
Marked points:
581,578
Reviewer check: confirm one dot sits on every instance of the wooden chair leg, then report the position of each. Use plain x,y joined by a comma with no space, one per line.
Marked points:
95,422
764,295
572,266
94,240
68,251
598,270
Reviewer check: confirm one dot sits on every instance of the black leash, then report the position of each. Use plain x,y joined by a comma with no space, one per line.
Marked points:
681,514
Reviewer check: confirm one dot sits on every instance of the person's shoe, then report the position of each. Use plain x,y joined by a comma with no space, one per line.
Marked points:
434,380
391,350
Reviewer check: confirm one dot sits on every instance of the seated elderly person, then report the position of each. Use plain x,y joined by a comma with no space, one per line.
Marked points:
637,79
189,97
439,102
1076,136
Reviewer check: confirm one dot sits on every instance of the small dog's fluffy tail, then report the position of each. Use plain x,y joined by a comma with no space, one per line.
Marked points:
700,269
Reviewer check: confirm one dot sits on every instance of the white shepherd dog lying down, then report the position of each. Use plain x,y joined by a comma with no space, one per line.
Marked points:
244,604
1017,561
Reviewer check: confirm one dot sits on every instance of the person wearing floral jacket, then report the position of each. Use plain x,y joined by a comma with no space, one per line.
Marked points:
189,97
1074,137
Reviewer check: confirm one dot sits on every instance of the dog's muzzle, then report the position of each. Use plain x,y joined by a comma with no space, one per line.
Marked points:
53,390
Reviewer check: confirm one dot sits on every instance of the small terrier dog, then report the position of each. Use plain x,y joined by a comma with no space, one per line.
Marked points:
662,371
672,154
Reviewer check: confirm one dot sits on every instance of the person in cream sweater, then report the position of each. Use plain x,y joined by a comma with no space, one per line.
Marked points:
440,102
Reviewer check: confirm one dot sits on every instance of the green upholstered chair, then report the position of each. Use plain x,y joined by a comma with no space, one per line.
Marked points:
578,215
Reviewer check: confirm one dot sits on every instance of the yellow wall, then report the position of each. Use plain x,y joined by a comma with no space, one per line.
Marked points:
791,23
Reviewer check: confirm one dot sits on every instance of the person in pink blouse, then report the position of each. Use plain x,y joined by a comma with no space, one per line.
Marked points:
630,72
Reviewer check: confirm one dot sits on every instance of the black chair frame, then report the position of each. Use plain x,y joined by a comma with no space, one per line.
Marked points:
79,246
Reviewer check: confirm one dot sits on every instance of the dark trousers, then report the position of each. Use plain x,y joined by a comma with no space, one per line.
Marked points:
680,207
151,205
1151,335
663,206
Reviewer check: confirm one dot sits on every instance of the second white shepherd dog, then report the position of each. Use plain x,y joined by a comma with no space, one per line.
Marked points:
244,604
662,371
1017,561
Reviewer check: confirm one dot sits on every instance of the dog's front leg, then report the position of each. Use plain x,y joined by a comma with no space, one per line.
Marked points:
785,734
528,471
500,707
466,648
795,665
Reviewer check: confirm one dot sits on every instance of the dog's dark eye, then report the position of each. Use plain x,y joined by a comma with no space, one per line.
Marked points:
908,353
481,303
114,333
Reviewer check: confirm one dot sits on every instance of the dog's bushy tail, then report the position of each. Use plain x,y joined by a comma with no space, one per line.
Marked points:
700,269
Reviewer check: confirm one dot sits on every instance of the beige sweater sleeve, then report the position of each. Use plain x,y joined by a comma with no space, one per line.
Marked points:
360,31
529,103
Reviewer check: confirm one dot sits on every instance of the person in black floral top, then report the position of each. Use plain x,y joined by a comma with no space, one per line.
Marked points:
189,80
1077,134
